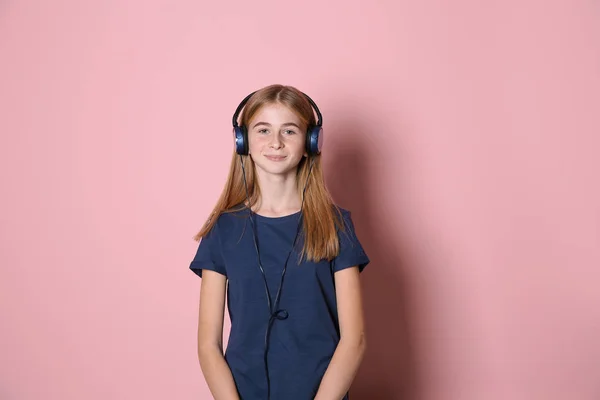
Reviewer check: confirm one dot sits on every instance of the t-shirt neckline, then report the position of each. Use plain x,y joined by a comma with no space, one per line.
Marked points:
278,219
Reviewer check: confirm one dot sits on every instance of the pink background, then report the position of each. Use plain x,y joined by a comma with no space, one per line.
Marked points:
463,135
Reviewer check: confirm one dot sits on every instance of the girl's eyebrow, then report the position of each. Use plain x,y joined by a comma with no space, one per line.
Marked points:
268,124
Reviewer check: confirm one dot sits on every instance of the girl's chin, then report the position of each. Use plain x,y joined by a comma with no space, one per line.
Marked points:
278,169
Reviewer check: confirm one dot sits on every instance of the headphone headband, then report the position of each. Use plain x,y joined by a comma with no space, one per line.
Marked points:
239,108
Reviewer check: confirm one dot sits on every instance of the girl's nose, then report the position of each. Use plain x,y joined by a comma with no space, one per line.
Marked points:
276,142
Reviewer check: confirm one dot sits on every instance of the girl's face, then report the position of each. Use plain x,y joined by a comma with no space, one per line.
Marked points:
277,139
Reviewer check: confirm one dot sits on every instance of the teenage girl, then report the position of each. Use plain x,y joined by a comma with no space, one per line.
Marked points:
284,258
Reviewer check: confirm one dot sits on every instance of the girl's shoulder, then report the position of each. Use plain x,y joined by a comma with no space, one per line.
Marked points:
343,211
344,214
231,216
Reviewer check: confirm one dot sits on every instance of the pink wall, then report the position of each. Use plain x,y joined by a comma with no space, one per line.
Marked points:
463,135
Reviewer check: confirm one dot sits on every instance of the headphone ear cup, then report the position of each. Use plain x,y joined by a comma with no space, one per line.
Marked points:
314,140
241,140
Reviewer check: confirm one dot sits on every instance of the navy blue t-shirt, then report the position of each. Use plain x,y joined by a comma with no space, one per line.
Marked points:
300,346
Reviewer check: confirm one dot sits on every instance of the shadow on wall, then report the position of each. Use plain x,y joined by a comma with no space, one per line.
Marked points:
389,368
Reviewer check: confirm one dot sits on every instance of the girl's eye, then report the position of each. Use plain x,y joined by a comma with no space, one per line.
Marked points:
289,132
262,131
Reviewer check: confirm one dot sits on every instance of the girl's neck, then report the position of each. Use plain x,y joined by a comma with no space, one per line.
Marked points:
279,195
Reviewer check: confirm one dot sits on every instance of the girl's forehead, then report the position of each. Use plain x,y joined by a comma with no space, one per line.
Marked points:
275,111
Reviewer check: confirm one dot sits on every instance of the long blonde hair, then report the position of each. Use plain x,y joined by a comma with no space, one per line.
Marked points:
320,215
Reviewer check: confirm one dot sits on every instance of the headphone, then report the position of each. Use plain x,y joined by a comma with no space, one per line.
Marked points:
314,134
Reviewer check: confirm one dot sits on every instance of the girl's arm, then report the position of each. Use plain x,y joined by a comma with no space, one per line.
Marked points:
210,337
351,348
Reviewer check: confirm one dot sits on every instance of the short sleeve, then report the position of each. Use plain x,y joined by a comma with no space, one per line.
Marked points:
208,255
351,251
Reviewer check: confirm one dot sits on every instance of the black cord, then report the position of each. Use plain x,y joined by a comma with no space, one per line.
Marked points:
274,313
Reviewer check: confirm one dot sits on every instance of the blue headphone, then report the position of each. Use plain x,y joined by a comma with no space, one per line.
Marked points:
314,134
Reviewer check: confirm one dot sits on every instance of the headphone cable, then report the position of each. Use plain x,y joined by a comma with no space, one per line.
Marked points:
273,313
